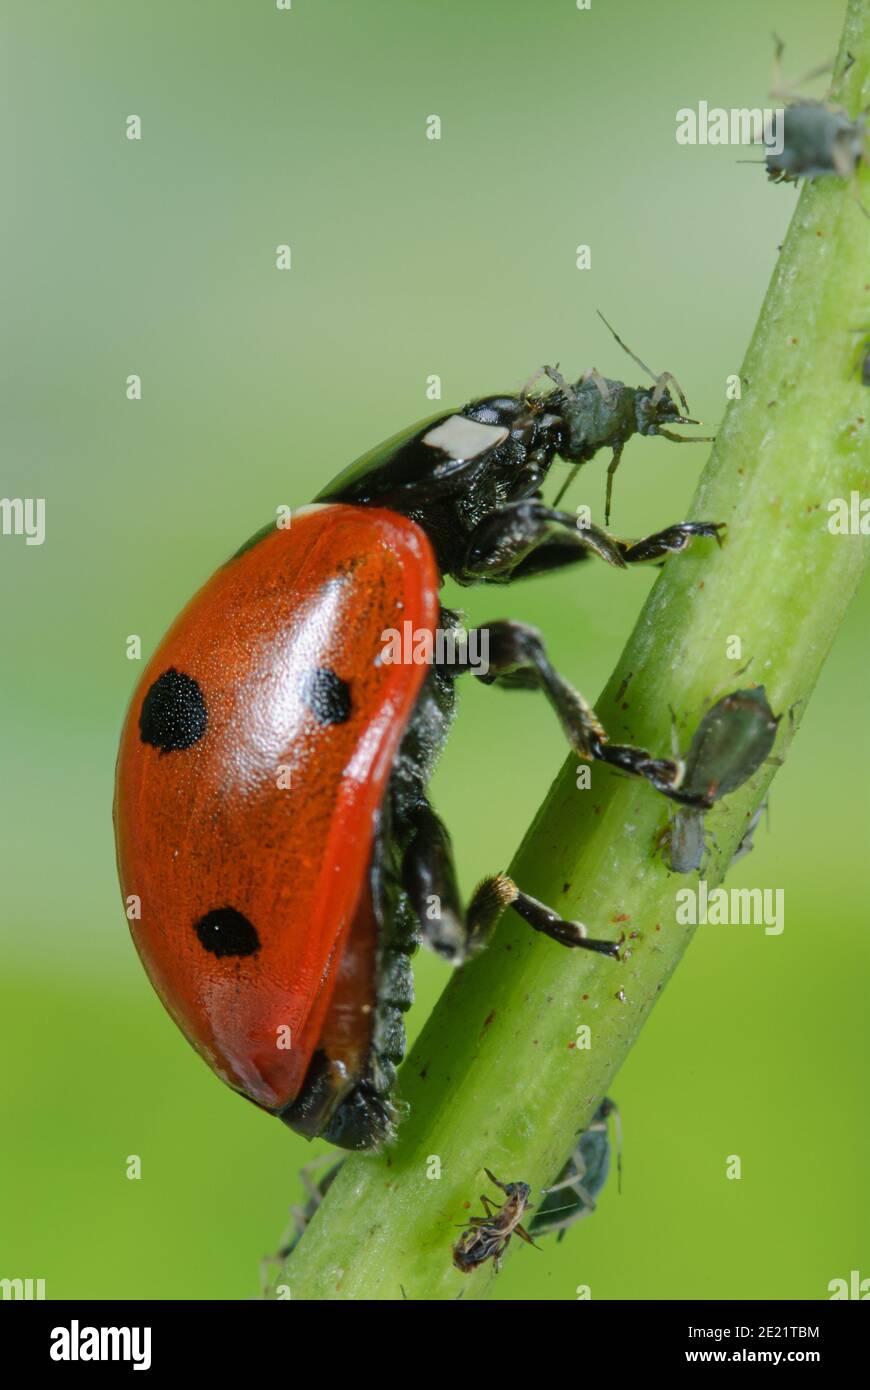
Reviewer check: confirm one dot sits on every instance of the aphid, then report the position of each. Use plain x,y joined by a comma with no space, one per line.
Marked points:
271,811
488,1236
598,413
301,1217
573,1195
817,139
730,744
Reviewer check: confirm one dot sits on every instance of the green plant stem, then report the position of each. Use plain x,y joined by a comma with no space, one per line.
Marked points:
495,1079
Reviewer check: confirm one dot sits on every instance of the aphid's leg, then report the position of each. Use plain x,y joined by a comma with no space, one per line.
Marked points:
528,537
524,390
685,438
611,469
576,1186
494,1180
524,1235
516,657
784,87
592,375
855,189
567,483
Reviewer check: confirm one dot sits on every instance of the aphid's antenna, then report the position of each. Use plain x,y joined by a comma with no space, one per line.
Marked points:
633,355
661,379
783,86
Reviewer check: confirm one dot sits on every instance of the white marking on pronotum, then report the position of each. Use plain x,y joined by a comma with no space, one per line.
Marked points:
461,438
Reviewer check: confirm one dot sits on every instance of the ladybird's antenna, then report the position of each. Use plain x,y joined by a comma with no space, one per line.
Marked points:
633,355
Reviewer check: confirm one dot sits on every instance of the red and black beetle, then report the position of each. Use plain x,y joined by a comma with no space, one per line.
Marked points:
271,812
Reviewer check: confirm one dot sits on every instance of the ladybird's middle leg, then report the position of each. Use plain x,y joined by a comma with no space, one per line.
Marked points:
516,657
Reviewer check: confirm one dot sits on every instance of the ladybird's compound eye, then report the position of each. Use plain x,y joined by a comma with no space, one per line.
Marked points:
461,438
327,696
173,714
226,932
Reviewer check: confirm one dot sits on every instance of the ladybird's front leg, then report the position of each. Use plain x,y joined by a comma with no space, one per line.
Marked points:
527,537
502,547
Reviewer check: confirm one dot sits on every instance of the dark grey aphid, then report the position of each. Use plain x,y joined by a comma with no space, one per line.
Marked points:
598,413
730,744
573,1194
818,140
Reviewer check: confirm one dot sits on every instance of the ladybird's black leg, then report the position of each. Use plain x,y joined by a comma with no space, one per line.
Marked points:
498,892
429,879
672,539
516,658
528,537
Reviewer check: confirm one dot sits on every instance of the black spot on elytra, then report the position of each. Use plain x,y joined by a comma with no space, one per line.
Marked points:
226,932
173,712
327,696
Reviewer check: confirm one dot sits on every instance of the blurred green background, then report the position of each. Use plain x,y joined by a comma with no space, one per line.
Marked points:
410,257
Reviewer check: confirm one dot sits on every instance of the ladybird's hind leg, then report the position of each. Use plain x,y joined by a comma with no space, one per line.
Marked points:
514,655
496,893
429,879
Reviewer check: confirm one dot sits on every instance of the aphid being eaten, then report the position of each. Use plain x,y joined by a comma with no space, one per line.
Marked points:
573,1195
731,742
599,413
488,1236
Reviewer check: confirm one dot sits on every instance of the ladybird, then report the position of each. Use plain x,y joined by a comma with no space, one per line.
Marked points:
271,810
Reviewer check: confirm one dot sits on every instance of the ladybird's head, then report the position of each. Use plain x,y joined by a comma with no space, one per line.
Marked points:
532,435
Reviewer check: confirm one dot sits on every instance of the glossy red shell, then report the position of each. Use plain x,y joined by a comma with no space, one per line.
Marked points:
208,826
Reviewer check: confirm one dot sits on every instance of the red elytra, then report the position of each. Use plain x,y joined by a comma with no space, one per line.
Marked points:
255,919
